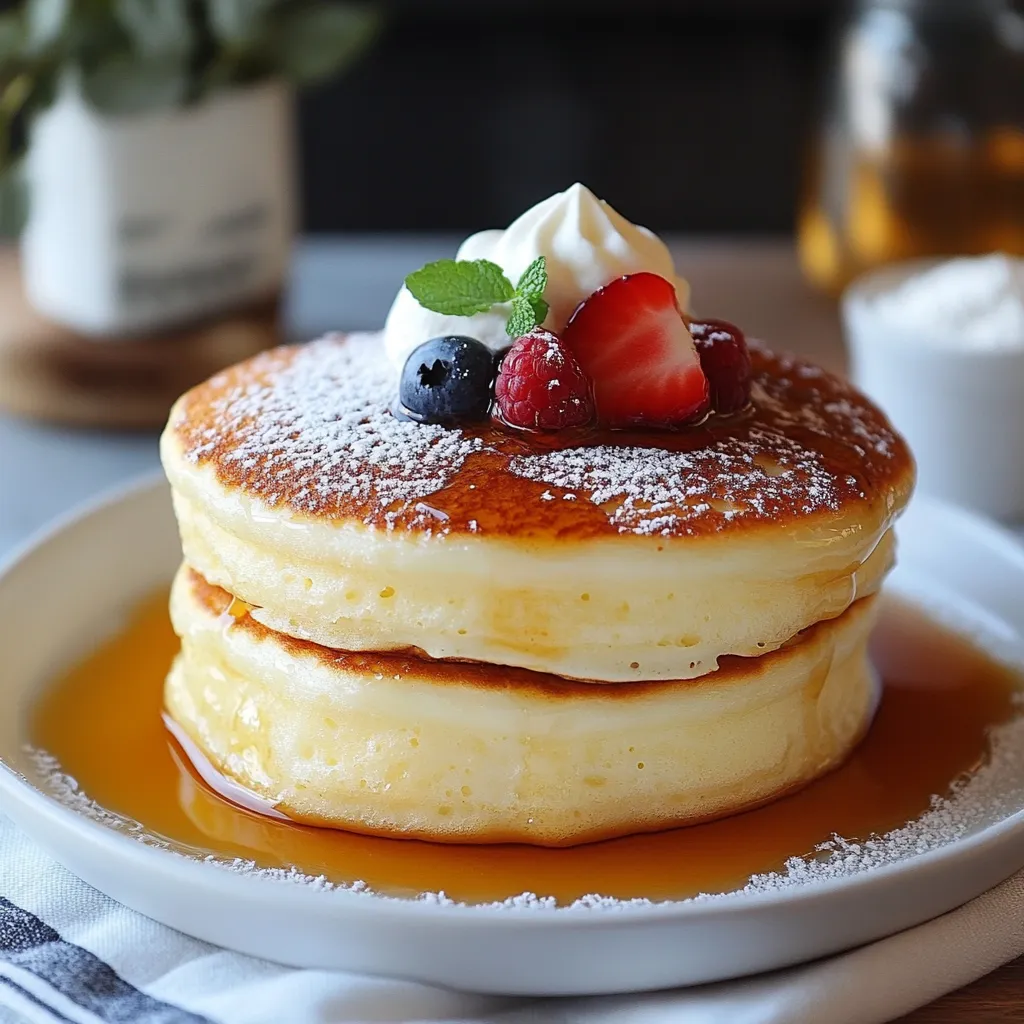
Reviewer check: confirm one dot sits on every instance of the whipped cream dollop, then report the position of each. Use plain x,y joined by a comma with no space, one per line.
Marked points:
586,245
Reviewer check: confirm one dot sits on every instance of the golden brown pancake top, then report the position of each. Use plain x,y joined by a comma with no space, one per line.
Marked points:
309,431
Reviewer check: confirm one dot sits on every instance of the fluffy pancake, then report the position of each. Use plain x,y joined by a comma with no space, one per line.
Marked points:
391,744
601,557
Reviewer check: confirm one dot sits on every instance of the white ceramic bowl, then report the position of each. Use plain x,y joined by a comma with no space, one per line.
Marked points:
960,408
74,584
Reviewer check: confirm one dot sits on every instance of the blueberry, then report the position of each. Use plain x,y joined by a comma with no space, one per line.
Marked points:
448,380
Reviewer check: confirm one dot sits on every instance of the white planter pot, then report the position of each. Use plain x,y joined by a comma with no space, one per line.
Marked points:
140,223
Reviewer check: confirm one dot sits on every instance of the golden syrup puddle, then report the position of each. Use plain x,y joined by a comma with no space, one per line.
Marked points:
941,698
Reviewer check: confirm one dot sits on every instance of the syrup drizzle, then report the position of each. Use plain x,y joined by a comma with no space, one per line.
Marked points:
309,431
941,699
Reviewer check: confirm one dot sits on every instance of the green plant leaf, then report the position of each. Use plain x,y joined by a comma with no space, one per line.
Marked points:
12,39
44,88
45,22
132,84
14,96
92,35
523,318
235,21
13,200
460,287
22,96
312,42
155,26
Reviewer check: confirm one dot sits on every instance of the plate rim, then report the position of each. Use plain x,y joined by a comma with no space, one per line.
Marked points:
203,874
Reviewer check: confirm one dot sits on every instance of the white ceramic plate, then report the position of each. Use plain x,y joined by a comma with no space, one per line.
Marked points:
72,586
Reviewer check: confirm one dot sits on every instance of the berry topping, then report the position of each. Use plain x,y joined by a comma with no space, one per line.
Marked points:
447,380
540,385
499,358
725,361
630,339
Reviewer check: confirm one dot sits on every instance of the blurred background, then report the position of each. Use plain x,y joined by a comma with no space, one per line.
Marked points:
690,115
186,182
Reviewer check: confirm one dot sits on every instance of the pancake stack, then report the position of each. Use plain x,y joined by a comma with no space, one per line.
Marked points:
482,635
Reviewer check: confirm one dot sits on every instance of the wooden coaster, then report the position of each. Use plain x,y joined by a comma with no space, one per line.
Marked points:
49,372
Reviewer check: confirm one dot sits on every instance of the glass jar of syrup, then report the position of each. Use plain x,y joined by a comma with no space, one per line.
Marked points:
921,148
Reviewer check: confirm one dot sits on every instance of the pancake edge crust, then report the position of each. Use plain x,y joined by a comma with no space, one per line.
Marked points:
354,530
389,745
309,430
601,611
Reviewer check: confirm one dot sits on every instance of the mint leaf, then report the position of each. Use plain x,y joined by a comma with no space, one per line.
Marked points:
531,287
466,287
534,279
523,318
540,309
460,287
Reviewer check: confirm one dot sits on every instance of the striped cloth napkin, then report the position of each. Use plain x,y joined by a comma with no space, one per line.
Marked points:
70,954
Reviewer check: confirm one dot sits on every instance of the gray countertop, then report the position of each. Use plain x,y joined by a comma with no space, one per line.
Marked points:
348,283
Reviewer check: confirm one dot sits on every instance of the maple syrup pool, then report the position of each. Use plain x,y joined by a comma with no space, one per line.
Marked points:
942,696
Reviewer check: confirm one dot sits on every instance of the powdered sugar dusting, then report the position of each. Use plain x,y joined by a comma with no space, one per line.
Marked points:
995,791
312,426
651,491
310,429
786,458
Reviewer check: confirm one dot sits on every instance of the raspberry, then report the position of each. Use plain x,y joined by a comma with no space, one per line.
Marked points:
540,385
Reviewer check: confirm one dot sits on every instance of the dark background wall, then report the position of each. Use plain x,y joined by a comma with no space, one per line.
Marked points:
686,114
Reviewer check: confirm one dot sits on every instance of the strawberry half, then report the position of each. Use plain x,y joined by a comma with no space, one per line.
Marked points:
630,340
